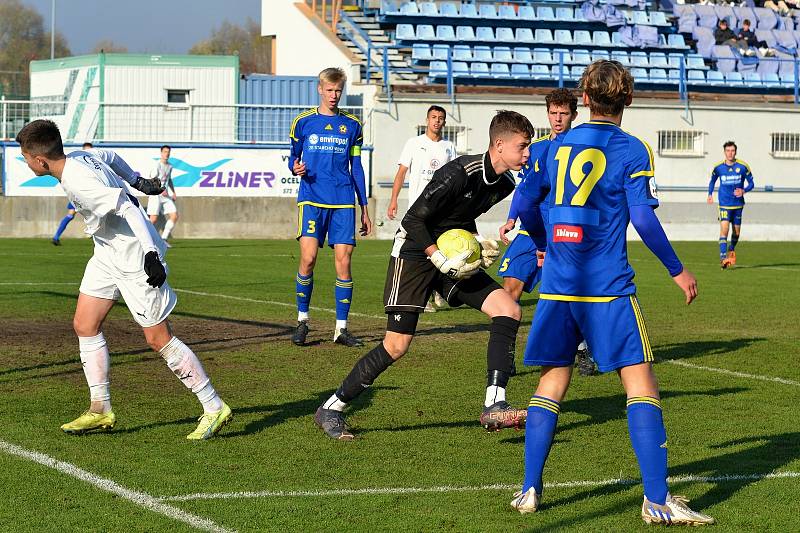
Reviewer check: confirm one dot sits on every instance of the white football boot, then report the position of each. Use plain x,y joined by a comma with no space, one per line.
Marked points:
673,512
526,502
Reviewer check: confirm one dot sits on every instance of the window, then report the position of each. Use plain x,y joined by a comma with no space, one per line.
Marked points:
785,145
681,143
177,96
455,134
540,132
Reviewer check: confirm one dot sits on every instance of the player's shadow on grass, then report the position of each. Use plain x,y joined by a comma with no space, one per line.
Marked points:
687,350
728,474
601,409
767,265
281,412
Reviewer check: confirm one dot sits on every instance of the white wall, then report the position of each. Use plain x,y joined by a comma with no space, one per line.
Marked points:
55,85
302,49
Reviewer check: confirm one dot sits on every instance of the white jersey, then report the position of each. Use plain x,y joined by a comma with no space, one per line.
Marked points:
163,171
423,157
97,191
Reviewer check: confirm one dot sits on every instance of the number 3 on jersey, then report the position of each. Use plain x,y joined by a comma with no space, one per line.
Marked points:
585,171
312,226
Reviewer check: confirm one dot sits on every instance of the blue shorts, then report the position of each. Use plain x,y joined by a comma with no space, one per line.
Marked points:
338,224
614,330
70,206
520,262
731,215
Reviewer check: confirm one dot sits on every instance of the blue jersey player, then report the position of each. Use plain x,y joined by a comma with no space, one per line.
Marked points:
735,179
326,153
594,180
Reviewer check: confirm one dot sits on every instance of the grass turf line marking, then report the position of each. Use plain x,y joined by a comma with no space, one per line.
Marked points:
139,498
733,373
447,488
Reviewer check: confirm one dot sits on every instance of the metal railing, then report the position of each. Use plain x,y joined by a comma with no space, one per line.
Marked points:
94,121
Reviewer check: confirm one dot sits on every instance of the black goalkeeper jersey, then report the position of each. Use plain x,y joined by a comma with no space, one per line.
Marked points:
458,193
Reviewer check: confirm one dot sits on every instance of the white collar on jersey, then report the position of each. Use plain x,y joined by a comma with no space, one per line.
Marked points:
507,173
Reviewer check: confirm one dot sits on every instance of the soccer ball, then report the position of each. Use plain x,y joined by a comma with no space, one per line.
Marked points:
454,241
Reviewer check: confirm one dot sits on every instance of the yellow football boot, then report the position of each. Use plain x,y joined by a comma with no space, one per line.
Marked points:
90,421
211,423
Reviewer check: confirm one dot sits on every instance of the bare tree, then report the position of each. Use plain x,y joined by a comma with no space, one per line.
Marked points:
254,50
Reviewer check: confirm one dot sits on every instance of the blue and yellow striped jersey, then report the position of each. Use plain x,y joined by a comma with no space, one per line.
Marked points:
327,144
591,176
731,177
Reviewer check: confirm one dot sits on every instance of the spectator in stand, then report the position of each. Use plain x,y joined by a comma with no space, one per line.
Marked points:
781,7
749,36
724,35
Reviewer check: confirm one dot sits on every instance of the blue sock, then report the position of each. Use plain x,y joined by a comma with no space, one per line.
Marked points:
540,427
62,226
734,242
649,440
723,248
344,297
304,286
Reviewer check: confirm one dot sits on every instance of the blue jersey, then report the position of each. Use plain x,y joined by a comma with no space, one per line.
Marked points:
330,146
731,177
538,149
591,176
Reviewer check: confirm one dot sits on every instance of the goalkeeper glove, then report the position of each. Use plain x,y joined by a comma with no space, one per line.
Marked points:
456,267
154,268
148,187
490,250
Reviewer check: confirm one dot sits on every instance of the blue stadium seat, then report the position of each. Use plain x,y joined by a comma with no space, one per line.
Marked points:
727,13
524,35
520,71
545,13
448,9
734,79
444,33
500,71
696,77
622,57
469,10
715,77
428,9
576,72
440,51
581,57
487,11
540,72
438,69
676,40
522,54
674,76
425,32
767,19
485,34
507,12
695,61
526,13
562,52
565,14
479,70
582,38
639,74
564,72
462,52
753,79
502,54
597,55
658,60
616,39
389,7
640,17
421,52
601,38
482,53
658,18
409,8
542,56
460,69
771,80
787,79
563,37
675,60
405,32
726,61
543,36
658,75
465,33
505,35
639,59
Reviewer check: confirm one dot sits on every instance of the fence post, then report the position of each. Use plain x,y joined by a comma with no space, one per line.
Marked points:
682,84
369,59
450,88
796,81
4,119
191,122
560,70
386,82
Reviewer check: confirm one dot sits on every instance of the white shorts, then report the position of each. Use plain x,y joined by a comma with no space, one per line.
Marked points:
148,305
160,204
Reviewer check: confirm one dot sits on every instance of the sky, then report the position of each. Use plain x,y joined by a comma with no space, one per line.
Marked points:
143,26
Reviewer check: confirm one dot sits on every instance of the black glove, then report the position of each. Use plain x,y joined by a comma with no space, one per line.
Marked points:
148,187
156,275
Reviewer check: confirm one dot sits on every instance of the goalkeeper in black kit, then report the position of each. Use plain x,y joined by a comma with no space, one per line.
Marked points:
458,193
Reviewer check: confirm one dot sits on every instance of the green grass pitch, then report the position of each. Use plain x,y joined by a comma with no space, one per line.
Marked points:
728,421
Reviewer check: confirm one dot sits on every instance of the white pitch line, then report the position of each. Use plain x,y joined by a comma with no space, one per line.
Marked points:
138,498
477,488
38,283
733,373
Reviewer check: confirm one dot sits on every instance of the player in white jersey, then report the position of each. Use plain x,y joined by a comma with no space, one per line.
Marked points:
165,203
421,157
127,262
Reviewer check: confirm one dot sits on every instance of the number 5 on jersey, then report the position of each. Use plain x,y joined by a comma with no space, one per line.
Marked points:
585,171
